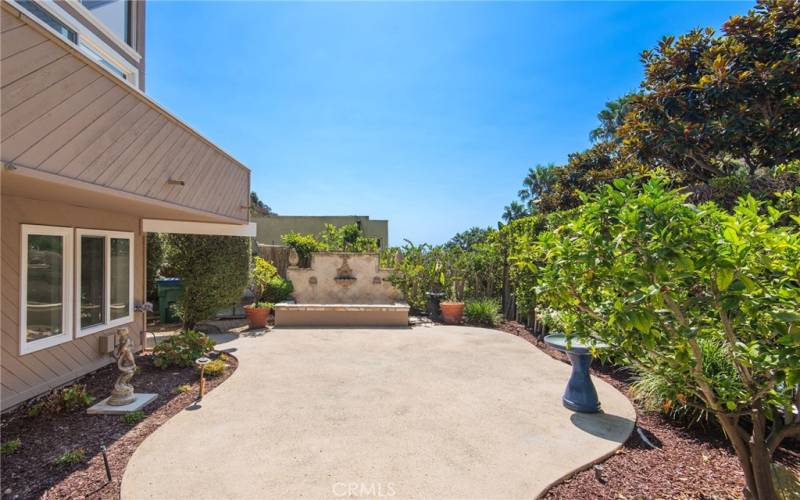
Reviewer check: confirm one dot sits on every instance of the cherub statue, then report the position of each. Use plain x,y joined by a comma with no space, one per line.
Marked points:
122,394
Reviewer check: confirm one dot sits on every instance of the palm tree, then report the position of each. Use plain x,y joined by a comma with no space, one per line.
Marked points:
514,211
611,118
538,182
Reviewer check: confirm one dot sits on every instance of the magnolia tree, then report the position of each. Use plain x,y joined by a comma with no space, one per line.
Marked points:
659,279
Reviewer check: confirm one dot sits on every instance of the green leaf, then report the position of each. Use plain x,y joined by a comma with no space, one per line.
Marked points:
787,316
730,405
724,278
730,234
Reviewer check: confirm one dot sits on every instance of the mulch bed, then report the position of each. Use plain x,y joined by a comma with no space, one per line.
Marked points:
30,472
692,461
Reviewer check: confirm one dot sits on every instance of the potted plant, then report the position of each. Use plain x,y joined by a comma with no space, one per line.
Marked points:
453,308
261,273
257,314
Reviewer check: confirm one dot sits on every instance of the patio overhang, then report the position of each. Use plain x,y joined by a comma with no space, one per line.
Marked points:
208,228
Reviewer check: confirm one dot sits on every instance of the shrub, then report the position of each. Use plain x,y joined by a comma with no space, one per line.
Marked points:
10,447
72,398
214,271
182,349
132,417
69,398
485,312
214,368
36,409
155,258
261,273
278,290
180,389
655,277
662,389
70,457
347,238
303,244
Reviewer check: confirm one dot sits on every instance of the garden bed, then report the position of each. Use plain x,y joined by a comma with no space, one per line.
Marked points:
30,471
693,461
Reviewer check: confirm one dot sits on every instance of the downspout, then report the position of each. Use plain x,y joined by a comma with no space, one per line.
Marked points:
143,333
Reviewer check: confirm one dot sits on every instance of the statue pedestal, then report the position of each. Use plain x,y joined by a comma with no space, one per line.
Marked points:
140,400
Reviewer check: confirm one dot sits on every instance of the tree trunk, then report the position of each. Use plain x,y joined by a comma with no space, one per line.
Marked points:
761,458
754,457
506,289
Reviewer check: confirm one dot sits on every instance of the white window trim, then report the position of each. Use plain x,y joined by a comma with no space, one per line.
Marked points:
109,323
25,346
86,37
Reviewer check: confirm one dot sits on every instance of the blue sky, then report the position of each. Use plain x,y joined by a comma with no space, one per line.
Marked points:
426,114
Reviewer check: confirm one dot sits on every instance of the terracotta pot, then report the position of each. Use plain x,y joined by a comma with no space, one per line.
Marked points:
256,316
452,312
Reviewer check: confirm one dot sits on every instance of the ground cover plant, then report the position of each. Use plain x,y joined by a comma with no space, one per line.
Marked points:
182,349
483,312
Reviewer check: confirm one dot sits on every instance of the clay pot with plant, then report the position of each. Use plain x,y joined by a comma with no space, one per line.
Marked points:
453,307
261,272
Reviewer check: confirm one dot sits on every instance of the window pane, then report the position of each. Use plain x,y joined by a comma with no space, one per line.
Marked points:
120,277
92,280
45,287
113,13
49,19
105,62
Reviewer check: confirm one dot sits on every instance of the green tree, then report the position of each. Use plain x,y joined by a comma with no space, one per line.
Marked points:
611,118
466,240
712,106
514,211
214,271
536,184
584,172
258,207
657,278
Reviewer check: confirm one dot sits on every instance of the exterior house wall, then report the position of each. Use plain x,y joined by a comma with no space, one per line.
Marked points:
64,115
272,227
25,376
83,149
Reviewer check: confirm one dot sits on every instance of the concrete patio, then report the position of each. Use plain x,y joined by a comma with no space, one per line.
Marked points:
433,412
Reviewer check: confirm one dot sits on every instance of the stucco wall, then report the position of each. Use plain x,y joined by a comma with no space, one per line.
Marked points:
25,376
271,228
319,284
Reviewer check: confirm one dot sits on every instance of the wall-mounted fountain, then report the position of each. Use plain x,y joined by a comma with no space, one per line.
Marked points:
342,289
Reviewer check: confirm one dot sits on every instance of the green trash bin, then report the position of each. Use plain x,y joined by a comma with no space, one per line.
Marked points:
170,291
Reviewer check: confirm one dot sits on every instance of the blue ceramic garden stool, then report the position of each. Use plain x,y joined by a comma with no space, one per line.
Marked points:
580,394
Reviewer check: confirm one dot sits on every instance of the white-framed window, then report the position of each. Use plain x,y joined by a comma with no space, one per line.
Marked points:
101,57
52,17
45,296
104,280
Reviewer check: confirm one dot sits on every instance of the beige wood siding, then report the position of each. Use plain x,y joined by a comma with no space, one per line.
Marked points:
31,374
65,115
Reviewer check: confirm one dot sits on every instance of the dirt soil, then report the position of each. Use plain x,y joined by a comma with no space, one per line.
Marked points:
691,461
31,473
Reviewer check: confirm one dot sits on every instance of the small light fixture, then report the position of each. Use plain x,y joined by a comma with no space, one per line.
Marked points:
176,182
202,362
